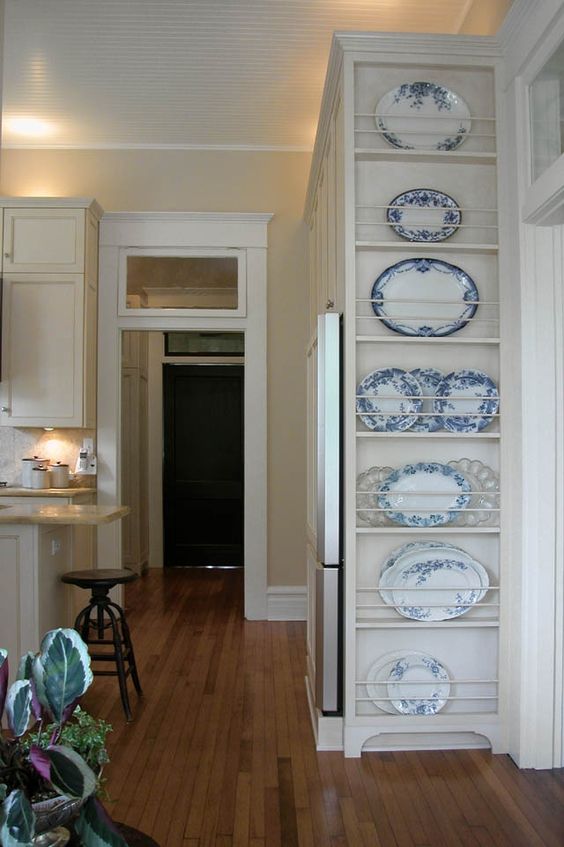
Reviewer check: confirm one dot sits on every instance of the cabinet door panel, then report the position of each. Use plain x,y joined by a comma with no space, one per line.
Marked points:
43,240
42,351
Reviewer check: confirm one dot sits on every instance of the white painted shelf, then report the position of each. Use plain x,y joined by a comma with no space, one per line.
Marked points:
472,436
426,530
455,157
407,624
416,339
424,247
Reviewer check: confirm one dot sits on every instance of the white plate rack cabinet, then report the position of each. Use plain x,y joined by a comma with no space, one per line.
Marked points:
357,176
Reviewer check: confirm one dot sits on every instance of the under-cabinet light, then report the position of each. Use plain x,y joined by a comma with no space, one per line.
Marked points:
30,126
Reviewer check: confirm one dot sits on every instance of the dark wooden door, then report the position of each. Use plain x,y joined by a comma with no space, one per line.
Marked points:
203,465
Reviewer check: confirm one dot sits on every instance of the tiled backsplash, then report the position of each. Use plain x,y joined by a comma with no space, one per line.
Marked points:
61,445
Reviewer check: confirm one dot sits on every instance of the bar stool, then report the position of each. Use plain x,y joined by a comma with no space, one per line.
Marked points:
103,614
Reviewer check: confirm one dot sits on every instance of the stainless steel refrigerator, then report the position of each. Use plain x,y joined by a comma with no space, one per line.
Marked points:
329,570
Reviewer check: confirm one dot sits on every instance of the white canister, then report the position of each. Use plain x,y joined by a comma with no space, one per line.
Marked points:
59,475
27,467
40,477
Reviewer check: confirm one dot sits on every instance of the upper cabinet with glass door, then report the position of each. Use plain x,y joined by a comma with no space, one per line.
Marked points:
205,284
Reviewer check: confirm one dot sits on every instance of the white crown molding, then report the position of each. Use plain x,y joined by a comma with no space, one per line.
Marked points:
235,148
203,217
528,25
286,603
419,43
54,202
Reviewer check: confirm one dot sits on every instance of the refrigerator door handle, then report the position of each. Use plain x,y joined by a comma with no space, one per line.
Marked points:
328,439
328,640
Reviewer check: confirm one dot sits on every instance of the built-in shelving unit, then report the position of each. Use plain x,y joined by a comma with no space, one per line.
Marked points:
357,177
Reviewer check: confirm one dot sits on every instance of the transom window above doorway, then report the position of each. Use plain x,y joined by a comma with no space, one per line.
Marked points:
204,344
153,281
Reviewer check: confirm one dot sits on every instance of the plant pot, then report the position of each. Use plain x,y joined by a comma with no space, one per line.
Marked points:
55,812
58,837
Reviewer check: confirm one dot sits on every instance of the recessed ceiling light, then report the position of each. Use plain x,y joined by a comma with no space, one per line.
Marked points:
32,127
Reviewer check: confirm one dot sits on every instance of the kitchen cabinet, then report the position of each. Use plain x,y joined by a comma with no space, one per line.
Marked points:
81,539
35,550
49,323
367,155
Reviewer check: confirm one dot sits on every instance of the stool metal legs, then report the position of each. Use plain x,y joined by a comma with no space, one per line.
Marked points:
100,615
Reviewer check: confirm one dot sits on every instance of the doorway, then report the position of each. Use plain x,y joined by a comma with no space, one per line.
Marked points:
179,233
203,465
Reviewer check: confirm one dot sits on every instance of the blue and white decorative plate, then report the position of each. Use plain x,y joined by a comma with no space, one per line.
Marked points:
399,552
412,546
377,680
426,297
389,399
367,484
423,683
452,582
423,116
423,214
466,401
484,504
418,684
428,379
424,494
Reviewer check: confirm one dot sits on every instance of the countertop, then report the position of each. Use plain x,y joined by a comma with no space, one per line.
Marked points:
62,514
16,491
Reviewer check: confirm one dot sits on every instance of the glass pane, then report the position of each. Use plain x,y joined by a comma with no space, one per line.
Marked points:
547,108
182,282
204,344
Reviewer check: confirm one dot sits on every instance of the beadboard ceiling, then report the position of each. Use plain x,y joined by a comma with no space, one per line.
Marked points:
184,73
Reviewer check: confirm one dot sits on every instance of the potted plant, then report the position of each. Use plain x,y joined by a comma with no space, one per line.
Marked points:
41,773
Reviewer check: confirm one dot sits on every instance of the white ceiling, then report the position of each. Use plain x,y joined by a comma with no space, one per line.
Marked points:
185,73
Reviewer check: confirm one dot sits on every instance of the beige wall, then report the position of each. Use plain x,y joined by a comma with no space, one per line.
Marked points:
485,17
218,181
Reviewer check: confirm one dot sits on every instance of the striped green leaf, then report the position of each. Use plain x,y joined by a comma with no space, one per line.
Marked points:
62,671
69,773
18,821
25,666
18,706
96,828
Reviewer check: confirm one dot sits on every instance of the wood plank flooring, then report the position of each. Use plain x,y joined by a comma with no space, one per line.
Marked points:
221,754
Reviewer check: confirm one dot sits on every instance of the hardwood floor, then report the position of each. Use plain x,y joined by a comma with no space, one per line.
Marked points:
221,754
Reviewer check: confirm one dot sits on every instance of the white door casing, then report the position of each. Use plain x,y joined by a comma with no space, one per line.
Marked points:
246,233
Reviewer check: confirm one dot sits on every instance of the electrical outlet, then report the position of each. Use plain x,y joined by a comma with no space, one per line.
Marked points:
55,546
88,444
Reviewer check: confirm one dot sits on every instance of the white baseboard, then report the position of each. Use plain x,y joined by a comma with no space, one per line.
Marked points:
286,602
328,732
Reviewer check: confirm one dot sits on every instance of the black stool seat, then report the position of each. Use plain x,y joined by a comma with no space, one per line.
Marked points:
102,615
99,577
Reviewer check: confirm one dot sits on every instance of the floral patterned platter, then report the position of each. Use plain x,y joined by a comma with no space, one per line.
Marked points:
428,379
423,214
424,494
452,582
423,116
389,400
466,400
411,683
426,297
482,509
